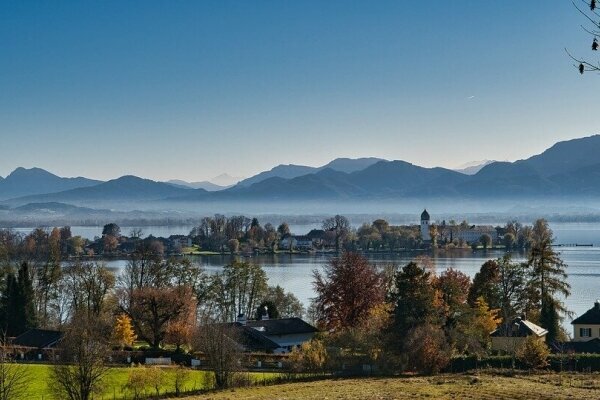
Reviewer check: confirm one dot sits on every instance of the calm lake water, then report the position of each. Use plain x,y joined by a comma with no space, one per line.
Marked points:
294,273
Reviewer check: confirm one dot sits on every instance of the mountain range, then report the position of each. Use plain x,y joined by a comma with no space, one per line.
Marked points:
567,169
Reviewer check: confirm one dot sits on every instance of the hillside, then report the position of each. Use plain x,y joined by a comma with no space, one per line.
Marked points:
24,182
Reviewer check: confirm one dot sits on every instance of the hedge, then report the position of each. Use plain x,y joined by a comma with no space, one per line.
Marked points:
580,362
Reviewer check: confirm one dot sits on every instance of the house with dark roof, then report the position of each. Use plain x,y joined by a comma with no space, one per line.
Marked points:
509,337
288,333
39,339
587,326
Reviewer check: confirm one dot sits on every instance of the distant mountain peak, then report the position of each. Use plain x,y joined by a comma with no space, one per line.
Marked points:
225,179
472,167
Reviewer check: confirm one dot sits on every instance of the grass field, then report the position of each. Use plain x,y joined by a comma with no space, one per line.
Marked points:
113,382
483,386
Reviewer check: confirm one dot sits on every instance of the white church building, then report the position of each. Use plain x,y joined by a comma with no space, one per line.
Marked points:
425,220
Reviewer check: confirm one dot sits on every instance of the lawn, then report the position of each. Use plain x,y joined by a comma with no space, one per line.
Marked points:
483,386
113,382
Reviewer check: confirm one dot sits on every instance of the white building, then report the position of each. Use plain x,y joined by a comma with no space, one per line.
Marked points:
425,235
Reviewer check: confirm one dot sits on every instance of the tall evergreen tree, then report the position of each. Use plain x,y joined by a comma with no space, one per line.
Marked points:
547,280
414,298
7,306
23,302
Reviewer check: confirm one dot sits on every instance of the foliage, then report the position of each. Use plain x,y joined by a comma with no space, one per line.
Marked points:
485,284
123,333
533,353
413,297
311,357
427,349
347,290
17,307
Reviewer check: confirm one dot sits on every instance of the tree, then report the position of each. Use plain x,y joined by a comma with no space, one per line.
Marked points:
414,299
283,230
533,353
234,245
480,322
153,309
14,378
427,349
509,240
592,17
123,333
218,343
453,287
82,364
284,303
485,285
111,229
87,286
511,289
17,309
547,279
347,290
340,226
485,240
310,357
109,243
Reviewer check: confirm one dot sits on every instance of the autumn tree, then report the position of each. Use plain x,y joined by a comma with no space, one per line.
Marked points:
533,353
123,333
347,289
427,349
453,288
310,357
152,310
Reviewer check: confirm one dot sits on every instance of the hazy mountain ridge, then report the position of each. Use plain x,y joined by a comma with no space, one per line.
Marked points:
565,169
291,171
32,181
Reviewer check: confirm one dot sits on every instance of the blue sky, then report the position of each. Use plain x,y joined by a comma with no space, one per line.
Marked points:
191,89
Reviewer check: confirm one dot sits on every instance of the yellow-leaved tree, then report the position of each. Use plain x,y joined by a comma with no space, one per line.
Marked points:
123,333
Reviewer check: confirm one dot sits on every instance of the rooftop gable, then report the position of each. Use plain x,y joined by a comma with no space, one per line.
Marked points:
590,317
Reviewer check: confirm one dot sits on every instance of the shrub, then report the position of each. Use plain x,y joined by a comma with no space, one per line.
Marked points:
533,353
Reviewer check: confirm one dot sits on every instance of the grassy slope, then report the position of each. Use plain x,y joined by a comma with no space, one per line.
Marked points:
551,386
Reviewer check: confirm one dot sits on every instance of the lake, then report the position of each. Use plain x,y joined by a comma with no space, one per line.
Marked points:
294,272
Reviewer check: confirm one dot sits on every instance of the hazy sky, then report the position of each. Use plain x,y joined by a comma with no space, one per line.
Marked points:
190,89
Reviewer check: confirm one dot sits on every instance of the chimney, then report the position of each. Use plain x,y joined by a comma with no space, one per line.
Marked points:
265,314
241,319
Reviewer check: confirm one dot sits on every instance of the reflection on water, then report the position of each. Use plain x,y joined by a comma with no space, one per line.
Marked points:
294,273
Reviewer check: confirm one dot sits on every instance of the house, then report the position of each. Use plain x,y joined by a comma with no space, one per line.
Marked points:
296,242
35,343
278,336
587,326
508,338
288,333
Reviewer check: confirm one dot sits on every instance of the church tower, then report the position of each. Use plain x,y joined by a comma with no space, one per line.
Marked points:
425,226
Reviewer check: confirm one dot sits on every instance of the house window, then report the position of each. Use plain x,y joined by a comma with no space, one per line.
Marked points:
585,332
